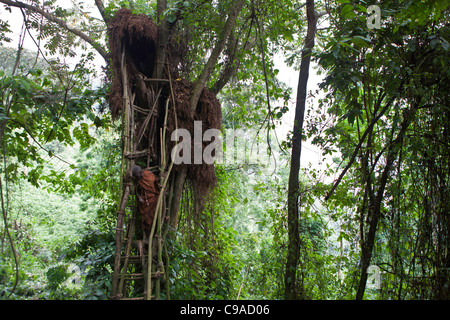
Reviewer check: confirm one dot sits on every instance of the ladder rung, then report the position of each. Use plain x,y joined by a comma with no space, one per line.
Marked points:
137,276
134,276
139,109
135,298
137,154
155,80
159,273
133,259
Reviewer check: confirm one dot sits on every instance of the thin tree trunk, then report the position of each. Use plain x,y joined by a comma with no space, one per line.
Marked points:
375,205
163,37
293,253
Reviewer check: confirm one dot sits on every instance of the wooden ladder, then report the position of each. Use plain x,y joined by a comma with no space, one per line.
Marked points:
132,265
138,268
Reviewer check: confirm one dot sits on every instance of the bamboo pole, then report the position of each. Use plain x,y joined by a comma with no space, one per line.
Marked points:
166,273
159,208
122,165
127,253
119,239
147,120
126,192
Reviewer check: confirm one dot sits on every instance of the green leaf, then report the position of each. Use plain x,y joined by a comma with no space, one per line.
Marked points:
171,17
361,41
336,51
361,8
346,10
445,45
2,114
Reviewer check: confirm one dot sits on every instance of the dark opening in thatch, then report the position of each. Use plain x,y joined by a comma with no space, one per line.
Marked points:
138,35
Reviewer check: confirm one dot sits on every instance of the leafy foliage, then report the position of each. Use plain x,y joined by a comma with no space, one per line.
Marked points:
383,85
61,99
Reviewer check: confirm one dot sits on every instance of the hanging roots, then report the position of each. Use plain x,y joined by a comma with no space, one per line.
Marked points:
209,112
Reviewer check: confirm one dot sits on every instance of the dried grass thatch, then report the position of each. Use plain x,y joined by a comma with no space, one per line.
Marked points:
139,36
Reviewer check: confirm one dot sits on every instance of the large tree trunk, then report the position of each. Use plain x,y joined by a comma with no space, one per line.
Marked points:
293,253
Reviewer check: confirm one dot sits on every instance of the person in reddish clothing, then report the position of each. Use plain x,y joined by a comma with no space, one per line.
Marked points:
147,191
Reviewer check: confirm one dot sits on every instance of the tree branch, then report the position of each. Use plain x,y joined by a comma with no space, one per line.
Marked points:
361,141
209,67
50,17
230,69
51,154
101,9
375,207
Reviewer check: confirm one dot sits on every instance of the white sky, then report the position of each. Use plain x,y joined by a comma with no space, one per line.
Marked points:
310,154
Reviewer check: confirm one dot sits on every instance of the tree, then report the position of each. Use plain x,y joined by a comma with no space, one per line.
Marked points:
381,82
29,91
291,290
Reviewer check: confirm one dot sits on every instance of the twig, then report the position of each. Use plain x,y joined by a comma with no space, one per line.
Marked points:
52,18
355,152
242,284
